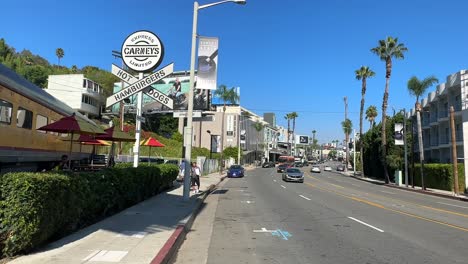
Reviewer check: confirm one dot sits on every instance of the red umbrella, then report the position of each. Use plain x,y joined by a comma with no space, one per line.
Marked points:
72,124
151,142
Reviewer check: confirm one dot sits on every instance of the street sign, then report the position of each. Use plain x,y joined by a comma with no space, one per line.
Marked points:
149,91
139,85
184,114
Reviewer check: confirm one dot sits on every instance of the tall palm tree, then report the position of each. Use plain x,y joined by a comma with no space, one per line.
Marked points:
386,50
288,117
362,74
227,95
59,53
347,128
258,126
371,114
417,88
294,115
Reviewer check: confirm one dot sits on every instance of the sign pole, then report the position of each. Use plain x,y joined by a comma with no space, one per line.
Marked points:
136,147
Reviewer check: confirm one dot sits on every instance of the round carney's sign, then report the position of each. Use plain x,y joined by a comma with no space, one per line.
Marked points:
142,51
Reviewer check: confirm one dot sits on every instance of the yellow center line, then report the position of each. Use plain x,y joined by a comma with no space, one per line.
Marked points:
405,202
390,209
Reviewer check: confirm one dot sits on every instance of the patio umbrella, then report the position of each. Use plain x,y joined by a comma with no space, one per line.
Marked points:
113,134
151,142
73,125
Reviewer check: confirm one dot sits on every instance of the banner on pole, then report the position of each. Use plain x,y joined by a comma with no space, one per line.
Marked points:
399,134
207,63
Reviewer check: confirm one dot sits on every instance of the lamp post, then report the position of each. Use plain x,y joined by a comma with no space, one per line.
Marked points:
188,129
211,142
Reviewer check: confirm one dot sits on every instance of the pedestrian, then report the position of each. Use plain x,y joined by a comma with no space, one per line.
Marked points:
182,169
196,173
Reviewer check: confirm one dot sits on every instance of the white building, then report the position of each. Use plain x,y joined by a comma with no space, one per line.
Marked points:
78,92
435,121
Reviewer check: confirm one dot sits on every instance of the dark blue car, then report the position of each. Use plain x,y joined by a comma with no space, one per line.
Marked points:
235,171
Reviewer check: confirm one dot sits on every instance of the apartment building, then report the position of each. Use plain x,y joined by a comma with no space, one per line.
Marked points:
78,92
435,120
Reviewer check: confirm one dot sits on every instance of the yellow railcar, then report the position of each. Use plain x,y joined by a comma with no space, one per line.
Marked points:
25,107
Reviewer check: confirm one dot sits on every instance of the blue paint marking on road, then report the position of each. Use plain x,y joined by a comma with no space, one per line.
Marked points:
281,233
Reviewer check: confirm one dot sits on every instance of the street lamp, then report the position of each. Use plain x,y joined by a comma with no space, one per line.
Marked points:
211,143
188,129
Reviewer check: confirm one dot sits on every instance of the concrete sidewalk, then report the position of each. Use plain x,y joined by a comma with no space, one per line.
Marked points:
428,191
146,233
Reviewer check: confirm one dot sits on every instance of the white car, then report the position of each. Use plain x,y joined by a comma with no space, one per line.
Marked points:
315,169
327,168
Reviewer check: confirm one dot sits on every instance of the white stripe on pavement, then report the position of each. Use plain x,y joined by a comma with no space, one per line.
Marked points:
388,192
284,187
453,205
305,197
361,222
274,180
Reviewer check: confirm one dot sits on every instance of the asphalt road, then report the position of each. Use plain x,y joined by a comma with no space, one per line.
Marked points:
332,218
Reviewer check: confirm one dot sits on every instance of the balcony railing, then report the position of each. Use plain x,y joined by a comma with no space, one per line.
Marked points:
433,117
443,114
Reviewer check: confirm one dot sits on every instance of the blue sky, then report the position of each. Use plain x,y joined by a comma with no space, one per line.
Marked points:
285,55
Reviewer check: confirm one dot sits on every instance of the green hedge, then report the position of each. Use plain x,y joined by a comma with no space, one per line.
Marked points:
38,207
439,176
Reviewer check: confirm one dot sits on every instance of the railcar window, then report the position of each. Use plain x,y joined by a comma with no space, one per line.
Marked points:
24,118
6,109
40,122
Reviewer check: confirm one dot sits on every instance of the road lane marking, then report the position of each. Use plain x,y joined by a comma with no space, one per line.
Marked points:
390,209
305,197
387,192
453,205
336,185
366,224
274,180
247,202
284,187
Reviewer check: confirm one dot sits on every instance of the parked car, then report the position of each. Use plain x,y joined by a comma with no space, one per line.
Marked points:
175,162
152,160
235,171
283,167
327,168
315,168
340,167
269,164
293,174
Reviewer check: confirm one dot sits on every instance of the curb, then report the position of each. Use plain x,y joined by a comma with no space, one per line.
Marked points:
166,253
463,199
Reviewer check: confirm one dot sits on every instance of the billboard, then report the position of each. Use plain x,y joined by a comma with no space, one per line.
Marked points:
176,86
207,63
302,139
215,144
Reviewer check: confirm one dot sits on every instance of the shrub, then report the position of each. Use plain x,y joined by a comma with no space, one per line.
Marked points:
439,176
38,207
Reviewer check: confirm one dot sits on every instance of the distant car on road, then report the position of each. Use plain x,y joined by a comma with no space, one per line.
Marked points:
327,168
293,174
283,167
235,171
298,164
340,168
315,168
269,164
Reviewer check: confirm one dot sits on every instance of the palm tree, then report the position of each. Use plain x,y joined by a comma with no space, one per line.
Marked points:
347,128
386,50
259,127
371,114
294,115
362,74
288,117
417,88
59,53
227,95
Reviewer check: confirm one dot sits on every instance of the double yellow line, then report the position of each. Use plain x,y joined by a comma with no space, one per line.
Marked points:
391,209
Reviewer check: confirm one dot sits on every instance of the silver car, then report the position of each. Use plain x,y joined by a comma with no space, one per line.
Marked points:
293,174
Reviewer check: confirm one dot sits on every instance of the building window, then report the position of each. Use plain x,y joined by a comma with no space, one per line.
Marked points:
230,133
84,83
6,108
24,118
40,122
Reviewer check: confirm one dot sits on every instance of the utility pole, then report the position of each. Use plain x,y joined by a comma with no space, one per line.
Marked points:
354,152
346,134
454,150
405,141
